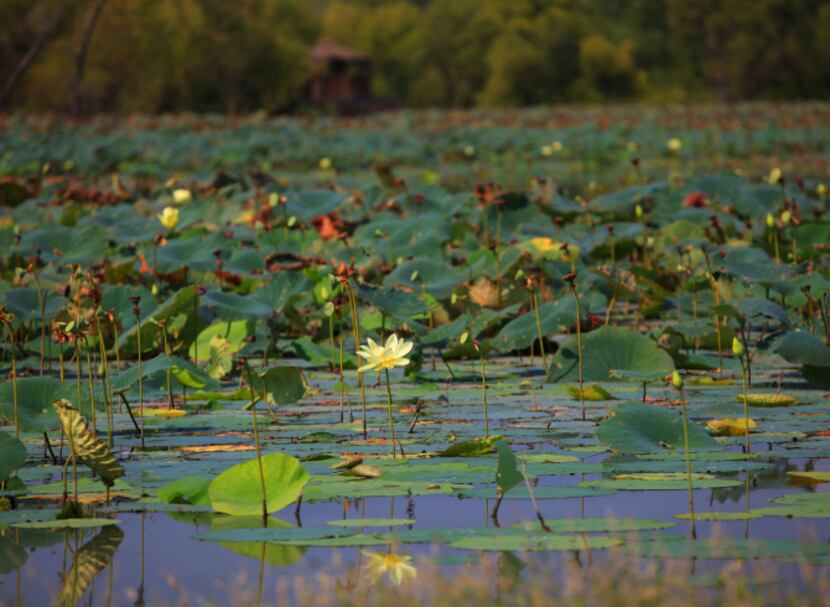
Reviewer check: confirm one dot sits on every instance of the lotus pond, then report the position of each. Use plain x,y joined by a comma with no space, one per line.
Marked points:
251,360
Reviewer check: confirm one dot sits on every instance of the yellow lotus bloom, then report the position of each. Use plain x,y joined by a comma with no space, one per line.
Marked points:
545,244
557,146
821,189
774,176
396,566
786,217
770,220
169,217
182,196
674,144
390,355
730,426
325,163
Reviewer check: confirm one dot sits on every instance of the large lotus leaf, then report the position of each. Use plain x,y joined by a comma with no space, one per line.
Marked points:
182,302
236,332
802,348
606,349
89,449
323,354
393,302
12,455
305,204
238,490
79,245
23,302
282,385
187,490
230,306
35,396
621,203
519,542
507,473
521,332
442,334
185,372
641,428
437,278
753,307
392,238
812,236
117,298
274,554
195,253
282,290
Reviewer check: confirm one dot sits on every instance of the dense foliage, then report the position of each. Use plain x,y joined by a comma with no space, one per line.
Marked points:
212,55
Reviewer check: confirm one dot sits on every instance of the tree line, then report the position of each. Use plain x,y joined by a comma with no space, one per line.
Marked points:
248,55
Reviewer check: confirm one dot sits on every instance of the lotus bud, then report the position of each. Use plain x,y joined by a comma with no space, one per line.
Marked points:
774,176
182,196
737,347
676,380
169,217
638,211
770,220
786,217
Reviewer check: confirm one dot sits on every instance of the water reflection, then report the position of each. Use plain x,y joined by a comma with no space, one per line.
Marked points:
92,558
397,567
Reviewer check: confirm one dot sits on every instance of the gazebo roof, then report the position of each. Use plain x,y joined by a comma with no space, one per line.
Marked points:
328,49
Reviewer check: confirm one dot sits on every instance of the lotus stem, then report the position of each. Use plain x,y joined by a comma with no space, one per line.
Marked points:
389,411
117,347
140,380
254,400
41,302
484,394
14,387
91,389
356,331
534,302
579,350
746,406
688,462
106,379
78,373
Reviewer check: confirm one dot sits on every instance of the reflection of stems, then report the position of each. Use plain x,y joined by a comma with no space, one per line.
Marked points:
389,410
261,574
688,462
140,599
